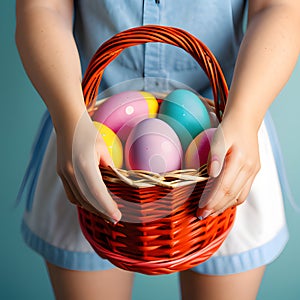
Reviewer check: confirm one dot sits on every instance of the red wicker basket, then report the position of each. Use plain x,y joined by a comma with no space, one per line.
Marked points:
161,233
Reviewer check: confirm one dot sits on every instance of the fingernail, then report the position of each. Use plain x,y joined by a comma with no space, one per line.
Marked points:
116,216
214,169
203,213
111,164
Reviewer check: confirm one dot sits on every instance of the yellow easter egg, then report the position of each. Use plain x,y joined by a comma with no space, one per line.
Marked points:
151,102
112,142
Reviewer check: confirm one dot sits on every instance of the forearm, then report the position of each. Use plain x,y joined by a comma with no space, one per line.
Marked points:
50,57
268,54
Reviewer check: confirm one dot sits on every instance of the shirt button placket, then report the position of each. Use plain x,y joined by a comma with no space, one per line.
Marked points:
152,63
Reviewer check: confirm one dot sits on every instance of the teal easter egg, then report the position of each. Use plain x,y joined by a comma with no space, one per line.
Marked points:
186,113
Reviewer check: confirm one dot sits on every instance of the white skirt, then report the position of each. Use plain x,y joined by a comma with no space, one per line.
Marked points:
50,225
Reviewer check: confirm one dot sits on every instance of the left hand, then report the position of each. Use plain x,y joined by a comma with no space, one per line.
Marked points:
233,164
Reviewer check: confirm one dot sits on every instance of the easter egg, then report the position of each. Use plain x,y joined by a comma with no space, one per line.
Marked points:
186,113
197,153
214,119
112,142
152,145
122,111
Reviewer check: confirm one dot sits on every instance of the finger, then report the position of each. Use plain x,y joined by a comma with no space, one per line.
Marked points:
222,186
241,198
232,204
75,196
69,192
103,156
226,187
218,152
71,189
92,186
246,190
78,197
85,161
243,178
64,173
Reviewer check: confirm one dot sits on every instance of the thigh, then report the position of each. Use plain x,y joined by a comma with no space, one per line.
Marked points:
245,285
113,284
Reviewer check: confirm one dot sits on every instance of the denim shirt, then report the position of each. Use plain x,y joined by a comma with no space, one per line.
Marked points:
219,24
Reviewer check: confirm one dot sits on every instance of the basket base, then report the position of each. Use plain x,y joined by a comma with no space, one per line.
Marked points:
154,266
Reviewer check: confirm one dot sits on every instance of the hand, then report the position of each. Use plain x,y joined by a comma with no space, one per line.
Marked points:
233,164
78,157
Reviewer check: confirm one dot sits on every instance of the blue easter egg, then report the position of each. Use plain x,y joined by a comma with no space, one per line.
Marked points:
185,112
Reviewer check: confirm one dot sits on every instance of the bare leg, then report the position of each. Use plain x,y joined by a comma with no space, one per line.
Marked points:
113,284
244,285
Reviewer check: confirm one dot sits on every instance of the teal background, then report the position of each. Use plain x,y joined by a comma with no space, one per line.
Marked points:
22,273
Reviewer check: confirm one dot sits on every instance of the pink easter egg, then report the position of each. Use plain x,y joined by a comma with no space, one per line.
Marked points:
198,150
153,146
122,111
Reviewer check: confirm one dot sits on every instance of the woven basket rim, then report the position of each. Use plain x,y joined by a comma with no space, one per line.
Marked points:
145,179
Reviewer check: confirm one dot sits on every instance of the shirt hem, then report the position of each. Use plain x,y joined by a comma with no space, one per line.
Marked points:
216,265
245,261
72,260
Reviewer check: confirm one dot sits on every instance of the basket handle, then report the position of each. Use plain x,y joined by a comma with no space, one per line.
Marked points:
110,49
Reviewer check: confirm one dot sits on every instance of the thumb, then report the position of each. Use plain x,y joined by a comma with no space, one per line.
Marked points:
105,158
103,155
217,153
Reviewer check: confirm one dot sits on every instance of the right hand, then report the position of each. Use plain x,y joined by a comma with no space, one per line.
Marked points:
79,154
233,164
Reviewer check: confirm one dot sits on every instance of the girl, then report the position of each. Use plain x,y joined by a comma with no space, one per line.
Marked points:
56,39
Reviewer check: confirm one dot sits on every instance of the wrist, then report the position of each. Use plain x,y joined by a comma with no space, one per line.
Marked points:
65,118
242,120
242,113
